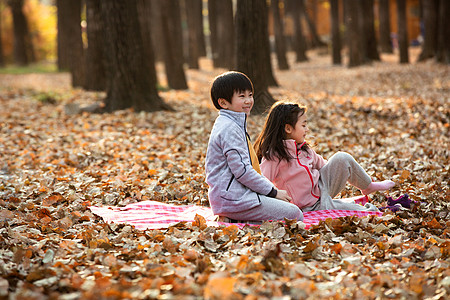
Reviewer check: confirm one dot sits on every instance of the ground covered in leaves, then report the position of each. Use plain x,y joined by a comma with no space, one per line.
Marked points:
394,119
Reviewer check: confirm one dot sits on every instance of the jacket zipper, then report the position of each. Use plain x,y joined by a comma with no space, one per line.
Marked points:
309,174
229,183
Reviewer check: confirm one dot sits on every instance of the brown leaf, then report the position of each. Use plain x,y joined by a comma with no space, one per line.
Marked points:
199,221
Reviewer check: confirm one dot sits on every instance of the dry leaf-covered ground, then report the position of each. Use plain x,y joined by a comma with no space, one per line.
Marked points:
393,118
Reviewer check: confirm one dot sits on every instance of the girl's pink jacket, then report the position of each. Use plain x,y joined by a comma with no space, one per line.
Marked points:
298,176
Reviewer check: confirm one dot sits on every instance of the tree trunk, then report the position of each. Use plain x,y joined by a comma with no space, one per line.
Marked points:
384,27
129,83
280,45
335,32
402,32
157,30
299,43
220,13
193,17
430,15
23,46
70,43
252,59
2,56
315,39
95,57
353,33
443,46
369,38
144,15
200,28
173,44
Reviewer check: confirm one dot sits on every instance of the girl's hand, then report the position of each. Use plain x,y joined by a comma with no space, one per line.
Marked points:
283,195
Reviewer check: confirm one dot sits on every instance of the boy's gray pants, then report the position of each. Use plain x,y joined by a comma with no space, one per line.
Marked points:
340,169
270,209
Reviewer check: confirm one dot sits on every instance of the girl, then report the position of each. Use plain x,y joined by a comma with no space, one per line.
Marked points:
311,181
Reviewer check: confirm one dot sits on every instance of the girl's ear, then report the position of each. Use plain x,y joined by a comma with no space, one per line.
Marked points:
288,128
223,103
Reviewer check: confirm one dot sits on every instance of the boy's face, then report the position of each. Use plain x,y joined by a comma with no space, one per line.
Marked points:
240,102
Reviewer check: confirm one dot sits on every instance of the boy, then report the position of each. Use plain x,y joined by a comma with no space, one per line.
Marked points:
237,190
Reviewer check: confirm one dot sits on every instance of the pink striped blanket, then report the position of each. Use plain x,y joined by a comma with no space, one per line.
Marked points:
156,215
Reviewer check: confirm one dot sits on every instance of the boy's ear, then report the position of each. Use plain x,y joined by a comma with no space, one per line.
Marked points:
223,103
288,128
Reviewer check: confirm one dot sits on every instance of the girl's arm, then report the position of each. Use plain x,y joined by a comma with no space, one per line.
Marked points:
269,169
318,161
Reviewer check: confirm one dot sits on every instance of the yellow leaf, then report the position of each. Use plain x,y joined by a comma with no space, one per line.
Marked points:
405,174
220,288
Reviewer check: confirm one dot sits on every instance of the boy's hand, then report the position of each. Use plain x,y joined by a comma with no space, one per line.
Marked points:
283,195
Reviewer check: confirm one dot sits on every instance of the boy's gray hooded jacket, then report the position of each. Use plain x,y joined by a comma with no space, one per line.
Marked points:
234,185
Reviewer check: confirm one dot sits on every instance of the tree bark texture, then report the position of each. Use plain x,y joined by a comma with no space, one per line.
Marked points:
292,8
335,32
443,45
95,57
402,32
129,83
157,30
220,16
368,22
353,33
173,44
23,46
430,19
280,44
314,36
193,17
2,56
252,39
144,15
384,27
70,43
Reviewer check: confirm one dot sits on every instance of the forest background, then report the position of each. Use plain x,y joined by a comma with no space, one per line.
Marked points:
59,156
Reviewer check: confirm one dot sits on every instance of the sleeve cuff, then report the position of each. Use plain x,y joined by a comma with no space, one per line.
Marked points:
273,193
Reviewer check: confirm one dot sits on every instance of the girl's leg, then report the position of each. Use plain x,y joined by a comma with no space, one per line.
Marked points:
340,169
270,209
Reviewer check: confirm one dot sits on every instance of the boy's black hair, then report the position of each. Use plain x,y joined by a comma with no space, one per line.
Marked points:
226,84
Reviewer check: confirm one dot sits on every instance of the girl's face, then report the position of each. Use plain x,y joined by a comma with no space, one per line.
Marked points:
240,102
298,132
